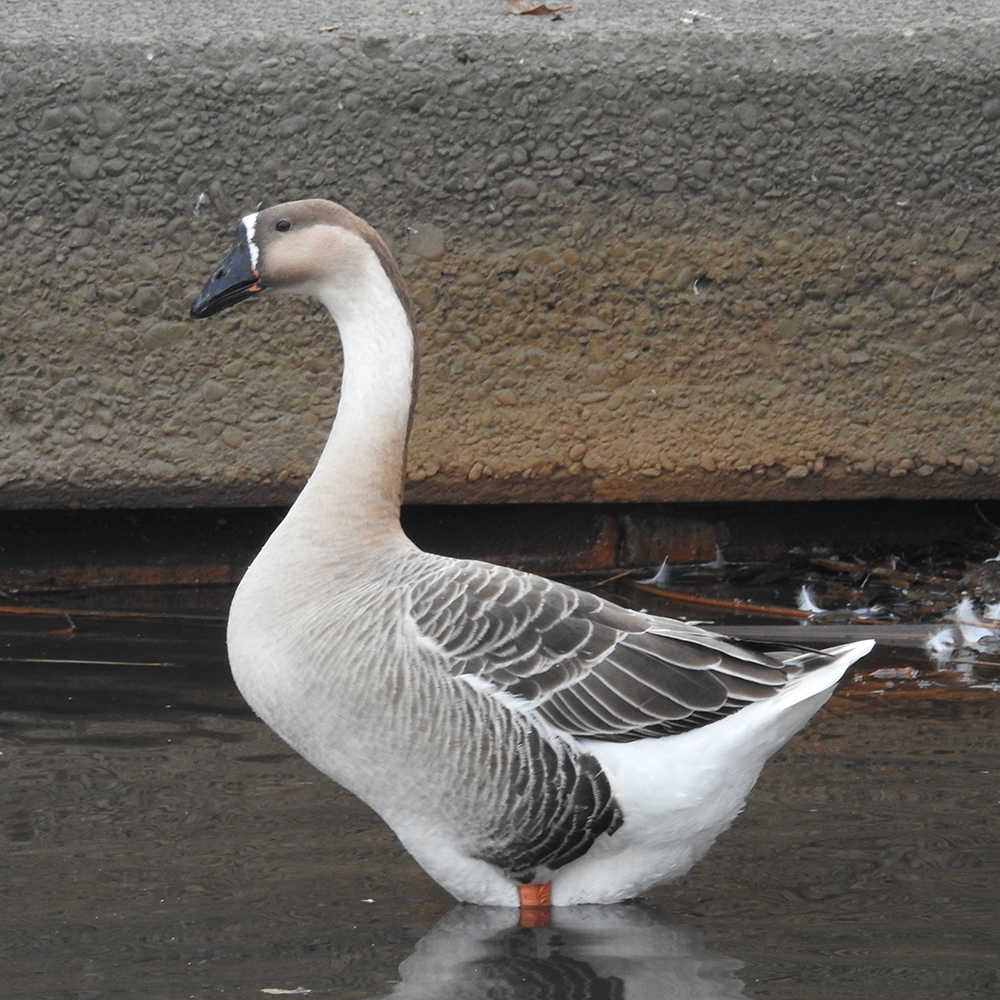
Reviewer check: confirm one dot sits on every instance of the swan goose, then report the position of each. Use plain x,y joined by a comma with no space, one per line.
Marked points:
525,740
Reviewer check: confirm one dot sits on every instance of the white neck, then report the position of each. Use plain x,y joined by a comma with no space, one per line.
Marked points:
356,488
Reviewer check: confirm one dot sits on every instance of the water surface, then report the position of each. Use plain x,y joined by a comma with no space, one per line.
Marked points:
160,842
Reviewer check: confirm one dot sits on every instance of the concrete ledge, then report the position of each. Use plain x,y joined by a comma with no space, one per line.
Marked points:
656,256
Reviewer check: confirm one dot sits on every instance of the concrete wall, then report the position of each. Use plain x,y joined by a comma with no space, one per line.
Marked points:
655,255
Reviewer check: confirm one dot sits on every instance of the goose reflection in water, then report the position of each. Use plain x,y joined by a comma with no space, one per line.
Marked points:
629,951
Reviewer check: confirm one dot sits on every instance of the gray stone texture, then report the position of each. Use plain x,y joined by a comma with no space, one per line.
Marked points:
745,253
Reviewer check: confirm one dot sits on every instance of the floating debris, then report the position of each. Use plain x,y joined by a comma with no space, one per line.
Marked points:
895,673
661,577
936,616
972,628
940,646
744,607
806,603
691,16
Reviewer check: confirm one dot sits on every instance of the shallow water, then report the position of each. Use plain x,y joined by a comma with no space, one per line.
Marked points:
159,842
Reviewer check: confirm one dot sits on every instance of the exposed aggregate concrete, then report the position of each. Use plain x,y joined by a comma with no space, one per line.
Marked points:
678,261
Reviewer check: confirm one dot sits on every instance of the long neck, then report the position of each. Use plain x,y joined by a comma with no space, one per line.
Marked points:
356,487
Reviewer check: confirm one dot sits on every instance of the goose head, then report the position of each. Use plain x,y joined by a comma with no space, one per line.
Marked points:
311,247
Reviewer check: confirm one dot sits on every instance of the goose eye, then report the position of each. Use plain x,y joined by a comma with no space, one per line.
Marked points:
283,225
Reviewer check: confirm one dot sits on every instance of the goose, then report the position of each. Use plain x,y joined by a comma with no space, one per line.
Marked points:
529,743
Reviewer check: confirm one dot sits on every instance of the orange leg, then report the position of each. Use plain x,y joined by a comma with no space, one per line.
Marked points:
536,902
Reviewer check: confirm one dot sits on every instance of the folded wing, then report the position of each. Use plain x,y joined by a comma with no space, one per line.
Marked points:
588,667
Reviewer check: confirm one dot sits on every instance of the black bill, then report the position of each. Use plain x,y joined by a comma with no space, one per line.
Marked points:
233,281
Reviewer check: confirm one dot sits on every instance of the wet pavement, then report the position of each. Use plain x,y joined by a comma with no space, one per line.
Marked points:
160,842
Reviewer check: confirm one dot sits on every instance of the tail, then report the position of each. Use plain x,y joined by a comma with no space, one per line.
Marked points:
819,671
757,730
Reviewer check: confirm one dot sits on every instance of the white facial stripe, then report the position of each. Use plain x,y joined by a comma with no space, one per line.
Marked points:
250,224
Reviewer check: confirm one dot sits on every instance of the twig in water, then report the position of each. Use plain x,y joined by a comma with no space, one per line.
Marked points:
17,609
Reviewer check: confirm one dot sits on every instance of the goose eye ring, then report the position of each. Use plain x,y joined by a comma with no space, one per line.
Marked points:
283,225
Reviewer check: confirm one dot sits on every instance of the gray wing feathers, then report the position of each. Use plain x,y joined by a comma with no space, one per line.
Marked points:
587,667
